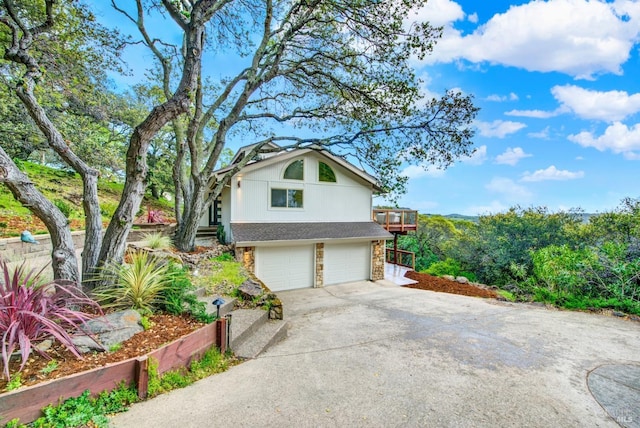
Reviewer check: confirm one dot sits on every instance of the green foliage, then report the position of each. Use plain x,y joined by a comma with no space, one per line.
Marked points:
31,312
179,296
449,267
63,206
50,367
145,322
85,410
224,257
212,362
15,382
221,235
157,241
138,284
561,268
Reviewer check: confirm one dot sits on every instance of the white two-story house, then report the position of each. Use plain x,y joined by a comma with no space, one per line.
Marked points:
302,218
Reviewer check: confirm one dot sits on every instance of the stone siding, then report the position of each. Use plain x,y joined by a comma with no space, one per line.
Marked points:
247,257
319,282
377,260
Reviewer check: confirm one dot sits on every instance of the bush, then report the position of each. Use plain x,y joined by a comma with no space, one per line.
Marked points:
449,267
31,312
137,285
157,241
64,207
179,297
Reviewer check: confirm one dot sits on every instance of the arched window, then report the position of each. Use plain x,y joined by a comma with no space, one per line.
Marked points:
325,173
295,170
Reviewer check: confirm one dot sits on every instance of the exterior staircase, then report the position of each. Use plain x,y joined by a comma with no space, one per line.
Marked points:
251,330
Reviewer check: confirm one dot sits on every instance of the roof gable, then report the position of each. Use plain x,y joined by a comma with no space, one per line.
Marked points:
273,158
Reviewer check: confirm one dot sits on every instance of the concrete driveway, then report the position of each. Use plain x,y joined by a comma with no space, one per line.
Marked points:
375,354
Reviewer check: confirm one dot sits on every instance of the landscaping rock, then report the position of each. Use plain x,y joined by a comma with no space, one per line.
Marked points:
449,277
250,289
108,331
461,280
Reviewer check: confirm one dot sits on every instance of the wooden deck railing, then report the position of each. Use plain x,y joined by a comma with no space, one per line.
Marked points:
398,220
405,258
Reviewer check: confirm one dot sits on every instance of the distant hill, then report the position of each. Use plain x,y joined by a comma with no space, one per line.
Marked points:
475,218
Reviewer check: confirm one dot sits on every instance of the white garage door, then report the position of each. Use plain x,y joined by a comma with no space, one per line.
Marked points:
347,262
285,268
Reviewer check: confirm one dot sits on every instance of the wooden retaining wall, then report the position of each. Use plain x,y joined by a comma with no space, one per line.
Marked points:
26,403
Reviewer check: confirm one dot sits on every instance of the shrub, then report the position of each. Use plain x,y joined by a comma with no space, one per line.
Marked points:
137,285
31,311
449,267
221,235
157,241
179,296
64,207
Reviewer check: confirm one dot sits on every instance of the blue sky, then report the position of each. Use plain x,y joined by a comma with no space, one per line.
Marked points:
558,84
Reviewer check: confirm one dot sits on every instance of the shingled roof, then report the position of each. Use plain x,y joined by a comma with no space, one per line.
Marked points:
248,233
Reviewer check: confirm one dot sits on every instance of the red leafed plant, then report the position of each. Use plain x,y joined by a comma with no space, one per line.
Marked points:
31,312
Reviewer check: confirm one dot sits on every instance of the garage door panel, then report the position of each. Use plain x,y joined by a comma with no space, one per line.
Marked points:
347,262
285,268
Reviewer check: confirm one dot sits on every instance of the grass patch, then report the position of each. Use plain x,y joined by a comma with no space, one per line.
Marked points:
221,275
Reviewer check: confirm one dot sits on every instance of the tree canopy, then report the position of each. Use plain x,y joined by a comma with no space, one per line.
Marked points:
322,74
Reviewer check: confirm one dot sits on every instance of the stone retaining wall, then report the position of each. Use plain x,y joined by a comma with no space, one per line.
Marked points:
14,250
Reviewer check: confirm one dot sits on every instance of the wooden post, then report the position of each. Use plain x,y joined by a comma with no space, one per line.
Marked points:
395,249
142,376
221,334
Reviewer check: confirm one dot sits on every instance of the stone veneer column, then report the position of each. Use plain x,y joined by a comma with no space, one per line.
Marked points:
377,261
319,282
247,256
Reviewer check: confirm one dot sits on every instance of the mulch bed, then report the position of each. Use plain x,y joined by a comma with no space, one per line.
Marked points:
434,283
164,329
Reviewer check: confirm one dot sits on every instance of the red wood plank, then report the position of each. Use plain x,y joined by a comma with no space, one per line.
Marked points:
27,403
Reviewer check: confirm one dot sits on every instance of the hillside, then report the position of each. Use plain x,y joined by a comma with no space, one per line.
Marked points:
64,189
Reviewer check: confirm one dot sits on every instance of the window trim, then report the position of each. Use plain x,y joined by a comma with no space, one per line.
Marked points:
284,177
287,190
335,176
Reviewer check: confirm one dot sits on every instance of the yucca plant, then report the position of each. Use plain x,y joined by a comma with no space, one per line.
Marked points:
157,241
31,311
136,285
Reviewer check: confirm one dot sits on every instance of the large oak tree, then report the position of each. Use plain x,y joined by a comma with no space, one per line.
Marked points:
322,74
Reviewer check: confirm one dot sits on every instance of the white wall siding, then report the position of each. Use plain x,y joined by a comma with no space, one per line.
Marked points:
349,199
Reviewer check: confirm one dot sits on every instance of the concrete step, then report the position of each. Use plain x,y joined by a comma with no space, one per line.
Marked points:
229,303
266,335
245,322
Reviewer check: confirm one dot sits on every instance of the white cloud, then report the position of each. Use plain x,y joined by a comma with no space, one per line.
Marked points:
618,138
577,37
439,12
511,156
552,173
501,98
608,106
537,114
507,187
419,171
544,134
477,158
499,128
473,18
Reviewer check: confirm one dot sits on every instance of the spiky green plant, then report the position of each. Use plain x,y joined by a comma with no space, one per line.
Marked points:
138,284
157,241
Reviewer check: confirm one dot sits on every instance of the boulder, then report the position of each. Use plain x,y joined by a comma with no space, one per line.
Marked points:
108,330
462,280
449,277
250,289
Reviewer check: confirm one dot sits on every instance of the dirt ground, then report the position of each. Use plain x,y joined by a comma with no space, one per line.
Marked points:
434,283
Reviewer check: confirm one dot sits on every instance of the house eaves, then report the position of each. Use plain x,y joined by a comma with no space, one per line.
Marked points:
250,234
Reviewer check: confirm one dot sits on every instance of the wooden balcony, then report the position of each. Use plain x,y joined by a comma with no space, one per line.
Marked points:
397,221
